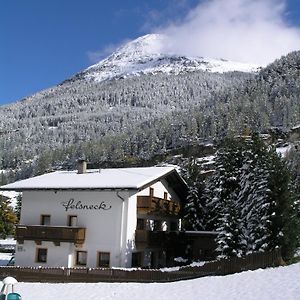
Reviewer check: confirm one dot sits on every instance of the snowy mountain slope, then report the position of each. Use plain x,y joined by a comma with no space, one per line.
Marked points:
145,55
167,110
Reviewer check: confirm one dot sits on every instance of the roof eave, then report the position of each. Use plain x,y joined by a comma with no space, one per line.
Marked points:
70,189
178,177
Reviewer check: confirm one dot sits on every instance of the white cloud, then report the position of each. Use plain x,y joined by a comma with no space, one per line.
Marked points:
96,56
243,30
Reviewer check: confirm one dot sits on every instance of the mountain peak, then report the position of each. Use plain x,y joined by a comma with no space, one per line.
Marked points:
147,55
150,44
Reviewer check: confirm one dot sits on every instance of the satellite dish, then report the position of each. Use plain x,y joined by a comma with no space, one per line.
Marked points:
9,280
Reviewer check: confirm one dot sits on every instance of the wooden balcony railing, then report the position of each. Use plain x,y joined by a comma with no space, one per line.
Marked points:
157,206
56,234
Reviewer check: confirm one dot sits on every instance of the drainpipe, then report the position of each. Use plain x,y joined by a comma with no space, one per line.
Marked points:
121,227
70,256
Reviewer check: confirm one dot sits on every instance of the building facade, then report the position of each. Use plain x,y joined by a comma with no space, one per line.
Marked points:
98,218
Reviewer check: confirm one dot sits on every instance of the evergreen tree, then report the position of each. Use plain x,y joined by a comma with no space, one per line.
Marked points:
7,219
194,209
18,207
228,228
250,200
284,221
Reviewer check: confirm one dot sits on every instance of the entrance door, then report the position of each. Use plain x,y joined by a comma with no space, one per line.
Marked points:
136,260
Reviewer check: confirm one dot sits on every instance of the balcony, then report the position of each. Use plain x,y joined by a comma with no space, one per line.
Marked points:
157,206
157,239
55,234
149,238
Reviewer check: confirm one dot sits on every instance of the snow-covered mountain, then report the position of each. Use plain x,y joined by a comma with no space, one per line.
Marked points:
146,55
141,116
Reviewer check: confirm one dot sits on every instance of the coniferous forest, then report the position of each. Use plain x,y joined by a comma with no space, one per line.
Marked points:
251,200
144,115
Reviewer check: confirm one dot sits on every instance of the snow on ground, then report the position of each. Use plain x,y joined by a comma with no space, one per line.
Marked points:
5,258
8,242
206,160
284,150
278,283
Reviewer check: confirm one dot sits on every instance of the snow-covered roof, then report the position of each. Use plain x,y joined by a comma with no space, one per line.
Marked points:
123,178
296,127
11,195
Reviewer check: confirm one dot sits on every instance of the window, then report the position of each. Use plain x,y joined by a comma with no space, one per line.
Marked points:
157,225
151,192
81,258
72,221
103,259
165,195
141,224
41,255
45,219
174,226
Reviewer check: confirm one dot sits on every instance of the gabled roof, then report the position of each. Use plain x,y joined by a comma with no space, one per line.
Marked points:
123,178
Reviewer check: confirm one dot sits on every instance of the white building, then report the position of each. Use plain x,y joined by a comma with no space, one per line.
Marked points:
98,218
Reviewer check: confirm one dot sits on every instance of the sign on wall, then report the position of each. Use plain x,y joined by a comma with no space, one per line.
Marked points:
78,205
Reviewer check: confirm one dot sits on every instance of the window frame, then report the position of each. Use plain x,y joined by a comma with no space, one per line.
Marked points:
77,256
69,223
42,220
141,224
37,255
98,259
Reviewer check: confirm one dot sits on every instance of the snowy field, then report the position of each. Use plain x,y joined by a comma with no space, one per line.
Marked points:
278,283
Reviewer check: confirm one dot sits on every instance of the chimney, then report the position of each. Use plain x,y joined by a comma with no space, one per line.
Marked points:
82,166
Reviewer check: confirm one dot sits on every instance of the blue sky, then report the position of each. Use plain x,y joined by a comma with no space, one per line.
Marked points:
44,42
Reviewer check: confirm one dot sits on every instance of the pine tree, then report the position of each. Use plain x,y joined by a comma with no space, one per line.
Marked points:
228,229
194,209
284,223
250,200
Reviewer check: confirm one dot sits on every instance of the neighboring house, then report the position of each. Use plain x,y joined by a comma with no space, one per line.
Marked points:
3,197
99,218
10,196
294,134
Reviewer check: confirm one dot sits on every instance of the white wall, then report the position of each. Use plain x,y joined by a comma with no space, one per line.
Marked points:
160,188
56,257
110,230
103,227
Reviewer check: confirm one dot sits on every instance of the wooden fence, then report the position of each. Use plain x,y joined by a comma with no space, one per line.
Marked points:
218,267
